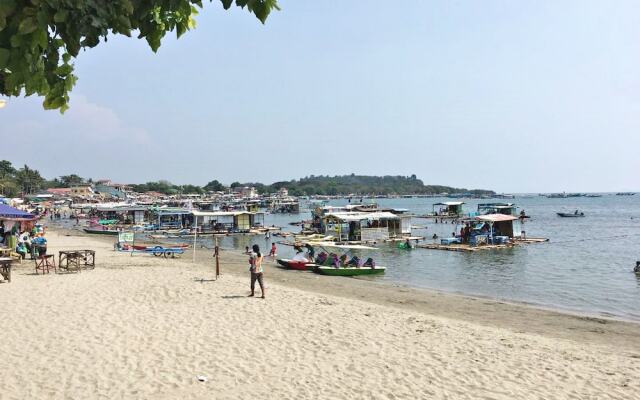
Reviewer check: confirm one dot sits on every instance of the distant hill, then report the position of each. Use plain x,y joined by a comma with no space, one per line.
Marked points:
26,180
364,185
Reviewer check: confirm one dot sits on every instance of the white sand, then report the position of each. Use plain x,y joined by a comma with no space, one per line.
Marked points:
143,327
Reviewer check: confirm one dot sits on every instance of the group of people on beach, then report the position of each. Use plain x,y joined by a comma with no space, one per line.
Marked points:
56,214
24,241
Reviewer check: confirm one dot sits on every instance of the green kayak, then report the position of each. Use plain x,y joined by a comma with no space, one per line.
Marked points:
351,271
101,231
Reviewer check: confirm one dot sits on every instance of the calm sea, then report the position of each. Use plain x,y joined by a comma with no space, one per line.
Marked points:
587,266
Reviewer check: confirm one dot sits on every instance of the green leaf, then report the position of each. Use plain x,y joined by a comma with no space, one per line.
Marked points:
53,103
7,7
64,70
60,16
17,41
69,82
40,38
226,4
180,29
4,57
126,4
27,26
124,25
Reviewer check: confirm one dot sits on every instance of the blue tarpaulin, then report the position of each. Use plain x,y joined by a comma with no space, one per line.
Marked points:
10,212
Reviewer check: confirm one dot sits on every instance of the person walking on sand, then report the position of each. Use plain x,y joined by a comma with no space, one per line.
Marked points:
255,262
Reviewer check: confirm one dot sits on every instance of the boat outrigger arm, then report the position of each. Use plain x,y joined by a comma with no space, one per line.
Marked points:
322,245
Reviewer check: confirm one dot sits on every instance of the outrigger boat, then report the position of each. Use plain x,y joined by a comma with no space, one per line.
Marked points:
330,268
101,231
349,271
575,214
300,265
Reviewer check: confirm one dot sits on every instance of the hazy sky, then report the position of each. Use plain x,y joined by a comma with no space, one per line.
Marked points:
511,96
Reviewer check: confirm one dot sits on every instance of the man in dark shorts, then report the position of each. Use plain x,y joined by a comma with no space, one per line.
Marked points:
255,262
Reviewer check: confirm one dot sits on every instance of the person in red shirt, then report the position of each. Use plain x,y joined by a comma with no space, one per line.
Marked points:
272,253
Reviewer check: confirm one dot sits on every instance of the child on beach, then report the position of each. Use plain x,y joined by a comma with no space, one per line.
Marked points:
272,253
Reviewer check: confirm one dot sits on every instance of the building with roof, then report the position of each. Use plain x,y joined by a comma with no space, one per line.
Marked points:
364,226
448,209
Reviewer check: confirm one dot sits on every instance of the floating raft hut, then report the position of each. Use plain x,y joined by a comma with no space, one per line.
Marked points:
486,232
446,210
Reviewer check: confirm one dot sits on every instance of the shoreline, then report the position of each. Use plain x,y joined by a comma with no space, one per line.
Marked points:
517,316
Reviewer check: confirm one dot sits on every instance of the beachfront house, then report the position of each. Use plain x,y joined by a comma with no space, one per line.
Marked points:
128,214
81,191
497,208
227,221
495,228
109,189
364,226
448,209
171,217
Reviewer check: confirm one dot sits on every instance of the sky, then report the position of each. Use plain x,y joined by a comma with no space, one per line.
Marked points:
534,96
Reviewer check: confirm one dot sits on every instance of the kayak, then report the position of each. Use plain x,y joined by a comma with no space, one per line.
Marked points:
351,271
295,264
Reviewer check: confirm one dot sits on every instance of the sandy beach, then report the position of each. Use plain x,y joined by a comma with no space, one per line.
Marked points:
146,327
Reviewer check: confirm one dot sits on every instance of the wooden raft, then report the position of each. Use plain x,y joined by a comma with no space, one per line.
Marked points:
469,248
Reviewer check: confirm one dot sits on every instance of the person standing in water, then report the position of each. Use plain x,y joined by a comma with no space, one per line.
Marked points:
255,262
272,253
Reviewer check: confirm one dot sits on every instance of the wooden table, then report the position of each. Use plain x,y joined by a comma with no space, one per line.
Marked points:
76,259
5,252
44,263
5,267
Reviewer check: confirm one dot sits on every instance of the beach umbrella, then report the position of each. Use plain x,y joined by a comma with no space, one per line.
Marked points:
7,212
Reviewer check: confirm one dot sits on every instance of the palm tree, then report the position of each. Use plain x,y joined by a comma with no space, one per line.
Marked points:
29,180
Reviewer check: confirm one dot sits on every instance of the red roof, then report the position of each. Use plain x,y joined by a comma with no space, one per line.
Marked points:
59,191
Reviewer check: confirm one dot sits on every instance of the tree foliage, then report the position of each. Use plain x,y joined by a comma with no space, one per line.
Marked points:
40,38
214,186
26,180
358,185
71,180
29,180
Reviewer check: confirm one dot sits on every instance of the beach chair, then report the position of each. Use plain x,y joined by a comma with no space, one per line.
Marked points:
44,263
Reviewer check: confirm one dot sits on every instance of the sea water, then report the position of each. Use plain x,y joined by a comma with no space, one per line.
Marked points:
587,265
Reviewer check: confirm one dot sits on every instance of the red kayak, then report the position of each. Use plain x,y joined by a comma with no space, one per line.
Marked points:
294,264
